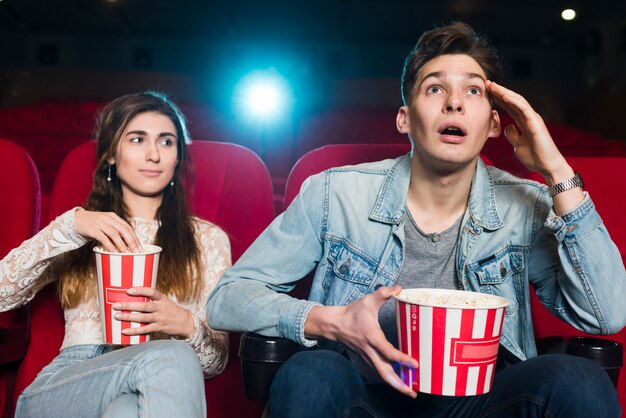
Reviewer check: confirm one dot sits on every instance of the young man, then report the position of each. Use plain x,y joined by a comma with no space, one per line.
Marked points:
435,218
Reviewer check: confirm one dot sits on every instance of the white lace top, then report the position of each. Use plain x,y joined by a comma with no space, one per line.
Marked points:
22,275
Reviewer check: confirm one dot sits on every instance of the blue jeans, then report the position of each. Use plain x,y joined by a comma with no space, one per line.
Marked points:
154,379
323,383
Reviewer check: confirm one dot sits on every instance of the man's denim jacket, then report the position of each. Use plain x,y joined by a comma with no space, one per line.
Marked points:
348,223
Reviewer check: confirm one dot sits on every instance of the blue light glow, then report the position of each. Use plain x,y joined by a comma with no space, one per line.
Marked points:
263,96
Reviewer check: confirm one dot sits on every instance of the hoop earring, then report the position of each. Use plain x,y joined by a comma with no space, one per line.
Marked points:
109,175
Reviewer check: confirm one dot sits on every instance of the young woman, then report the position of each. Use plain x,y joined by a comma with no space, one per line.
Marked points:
137,198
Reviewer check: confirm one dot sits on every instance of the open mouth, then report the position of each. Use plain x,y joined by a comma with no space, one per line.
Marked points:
453,130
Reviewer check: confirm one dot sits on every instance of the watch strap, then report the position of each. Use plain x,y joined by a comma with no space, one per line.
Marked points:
568,184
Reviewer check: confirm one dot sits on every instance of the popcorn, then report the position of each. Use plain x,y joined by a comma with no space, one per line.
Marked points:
456,299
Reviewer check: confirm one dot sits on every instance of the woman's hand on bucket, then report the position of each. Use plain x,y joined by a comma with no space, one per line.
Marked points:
161,314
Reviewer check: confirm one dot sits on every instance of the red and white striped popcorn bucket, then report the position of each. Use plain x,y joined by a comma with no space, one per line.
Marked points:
118,272
454,335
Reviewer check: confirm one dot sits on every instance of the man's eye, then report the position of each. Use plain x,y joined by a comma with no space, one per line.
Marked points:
434,89
474,91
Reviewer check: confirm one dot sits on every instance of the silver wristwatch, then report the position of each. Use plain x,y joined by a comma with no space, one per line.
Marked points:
568,184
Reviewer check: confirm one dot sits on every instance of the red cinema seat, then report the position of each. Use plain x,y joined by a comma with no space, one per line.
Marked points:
604,180
337,155
19,188
232,189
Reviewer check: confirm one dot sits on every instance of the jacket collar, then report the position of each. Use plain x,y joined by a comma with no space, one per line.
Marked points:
482,201
391,201
390,204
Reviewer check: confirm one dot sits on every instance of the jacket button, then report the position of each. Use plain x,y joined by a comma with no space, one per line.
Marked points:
503,270
343,269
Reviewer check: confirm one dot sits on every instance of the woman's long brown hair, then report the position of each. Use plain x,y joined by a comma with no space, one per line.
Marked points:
180,263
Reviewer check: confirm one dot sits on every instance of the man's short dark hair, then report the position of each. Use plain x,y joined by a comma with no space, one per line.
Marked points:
455,38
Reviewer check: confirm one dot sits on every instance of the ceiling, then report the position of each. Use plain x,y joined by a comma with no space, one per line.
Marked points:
528,22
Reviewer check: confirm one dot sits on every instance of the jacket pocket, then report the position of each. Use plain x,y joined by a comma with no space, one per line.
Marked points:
350,273
501,274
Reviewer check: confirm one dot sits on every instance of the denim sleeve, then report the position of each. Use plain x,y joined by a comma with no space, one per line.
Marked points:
577,270
250,296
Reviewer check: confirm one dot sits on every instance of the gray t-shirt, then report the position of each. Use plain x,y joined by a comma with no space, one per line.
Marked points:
428,262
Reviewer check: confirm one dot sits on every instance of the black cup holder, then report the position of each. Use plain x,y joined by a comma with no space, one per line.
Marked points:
606,352
261,357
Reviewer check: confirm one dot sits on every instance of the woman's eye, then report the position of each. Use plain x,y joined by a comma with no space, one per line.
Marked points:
474,91
167,142
136,140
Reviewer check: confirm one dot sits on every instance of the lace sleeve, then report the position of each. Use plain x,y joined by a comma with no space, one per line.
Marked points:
211,346
22,271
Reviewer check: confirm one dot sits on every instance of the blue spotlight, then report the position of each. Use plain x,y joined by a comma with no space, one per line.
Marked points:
264,99
263,95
